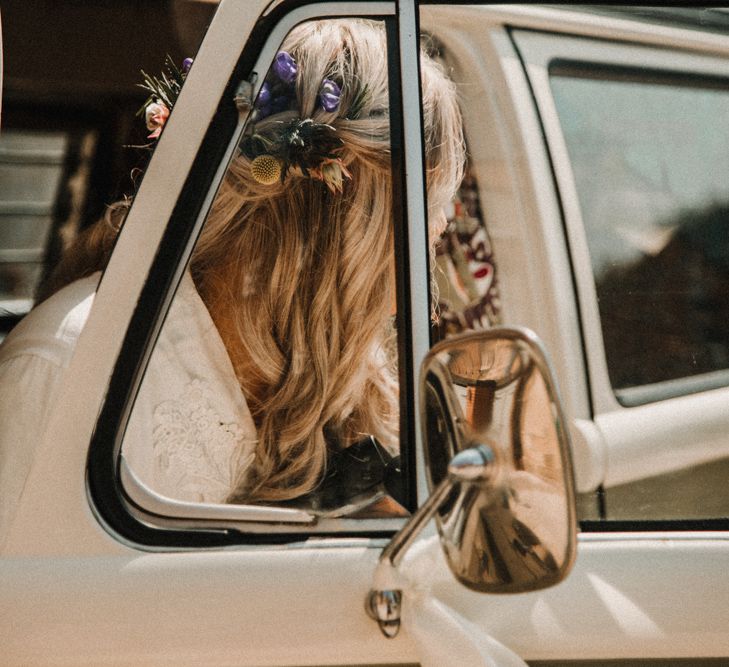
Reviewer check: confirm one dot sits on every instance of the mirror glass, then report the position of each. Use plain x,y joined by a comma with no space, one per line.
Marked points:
514,529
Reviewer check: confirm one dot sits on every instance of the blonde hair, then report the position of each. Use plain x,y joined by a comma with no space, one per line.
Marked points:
299,280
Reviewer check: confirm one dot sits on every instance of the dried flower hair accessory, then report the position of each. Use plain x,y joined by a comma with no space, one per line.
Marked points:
163,93
306,145
312,148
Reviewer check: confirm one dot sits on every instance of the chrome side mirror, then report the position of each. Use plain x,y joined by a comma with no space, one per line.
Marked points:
499,469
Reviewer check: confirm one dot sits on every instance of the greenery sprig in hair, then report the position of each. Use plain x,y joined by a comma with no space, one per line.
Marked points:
358,103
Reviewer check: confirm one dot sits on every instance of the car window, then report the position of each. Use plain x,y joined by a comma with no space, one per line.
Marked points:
274,378
647,151
466,268
648,155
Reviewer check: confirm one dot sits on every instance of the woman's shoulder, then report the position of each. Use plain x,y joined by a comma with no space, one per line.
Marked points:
52,328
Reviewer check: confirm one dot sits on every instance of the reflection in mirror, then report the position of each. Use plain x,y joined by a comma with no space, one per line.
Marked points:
513,529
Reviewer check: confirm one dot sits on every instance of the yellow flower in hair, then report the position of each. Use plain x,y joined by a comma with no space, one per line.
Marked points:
266,169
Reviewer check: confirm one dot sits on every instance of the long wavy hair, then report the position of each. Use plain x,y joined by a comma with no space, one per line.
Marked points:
299,280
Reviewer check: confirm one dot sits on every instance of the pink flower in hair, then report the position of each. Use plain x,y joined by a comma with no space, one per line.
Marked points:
155,115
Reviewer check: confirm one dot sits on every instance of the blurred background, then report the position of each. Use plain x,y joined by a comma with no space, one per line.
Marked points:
69,130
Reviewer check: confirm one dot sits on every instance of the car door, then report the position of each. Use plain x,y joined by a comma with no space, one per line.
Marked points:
91,577
655,353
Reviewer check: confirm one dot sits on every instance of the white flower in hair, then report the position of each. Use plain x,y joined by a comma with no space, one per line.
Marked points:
155,116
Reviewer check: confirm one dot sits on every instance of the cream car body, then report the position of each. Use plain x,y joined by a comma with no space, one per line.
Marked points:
74,591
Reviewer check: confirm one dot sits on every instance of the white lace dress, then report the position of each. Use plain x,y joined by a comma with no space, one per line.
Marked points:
190,434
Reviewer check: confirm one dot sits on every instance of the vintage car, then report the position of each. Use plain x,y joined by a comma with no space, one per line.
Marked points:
565,426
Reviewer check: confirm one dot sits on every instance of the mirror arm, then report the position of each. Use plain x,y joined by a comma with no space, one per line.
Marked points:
397,547
383,602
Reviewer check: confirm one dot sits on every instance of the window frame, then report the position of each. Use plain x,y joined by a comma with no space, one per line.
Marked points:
138,516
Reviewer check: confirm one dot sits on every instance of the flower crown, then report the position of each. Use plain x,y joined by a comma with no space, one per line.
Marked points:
276,148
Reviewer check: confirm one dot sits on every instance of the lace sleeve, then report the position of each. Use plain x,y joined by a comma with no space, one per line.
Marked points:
197,452
191,435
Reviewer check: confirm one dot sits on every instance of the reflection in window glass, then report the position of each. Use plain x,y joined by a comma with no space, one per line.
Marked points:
466,269
650,159
465,282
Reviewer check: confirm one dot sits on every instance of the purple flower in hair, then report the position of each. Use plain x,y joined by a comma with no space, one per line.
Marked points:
186,65
285,67
329,95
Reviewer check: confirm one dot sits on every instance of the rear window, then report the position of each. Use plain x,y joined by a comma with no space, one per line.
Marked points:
650,156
